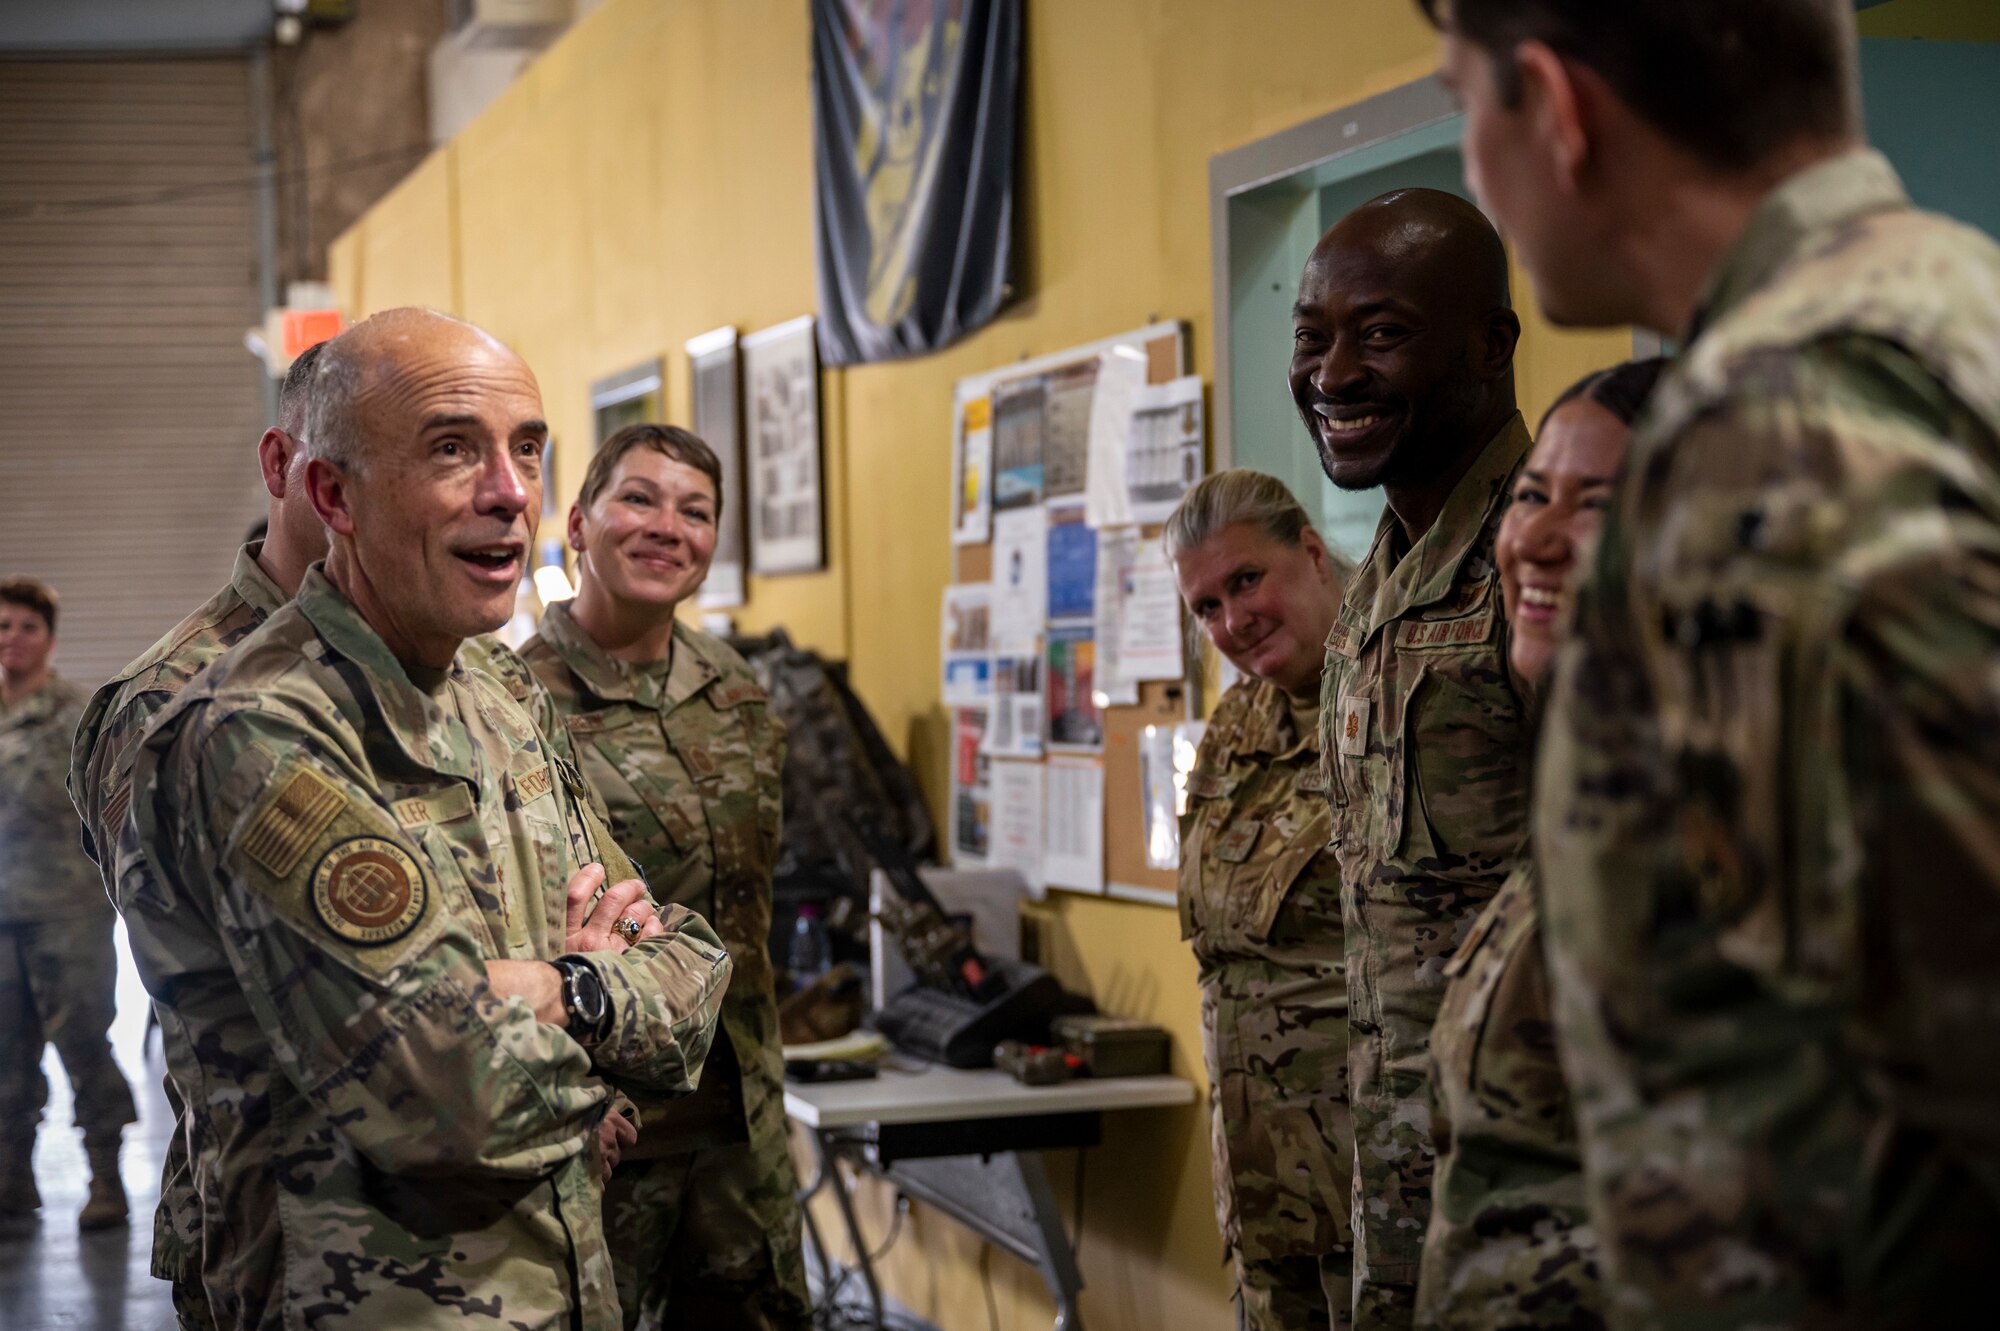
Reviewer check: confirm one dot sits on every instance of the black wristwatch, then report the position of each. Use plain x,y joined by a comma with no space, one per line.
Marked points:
586,1002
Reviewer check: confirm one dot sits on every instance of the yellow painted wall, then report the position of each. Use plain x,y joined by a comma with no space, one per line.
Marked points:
650,178
1934,20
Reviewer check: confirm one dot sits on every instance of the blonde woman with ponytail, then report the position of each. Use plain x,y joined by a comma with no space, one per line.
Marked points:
1260,901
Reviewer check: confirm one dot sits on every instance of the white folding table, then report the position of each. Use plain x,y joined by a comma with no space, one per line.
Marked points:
967,1143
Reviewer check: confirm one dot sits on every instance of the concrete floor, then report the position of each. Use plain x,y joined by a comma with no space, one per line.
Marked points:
60,1279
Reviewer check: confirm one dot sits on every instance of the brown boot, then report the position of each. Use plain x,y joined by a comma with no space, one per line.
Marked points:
18,1198
105,1207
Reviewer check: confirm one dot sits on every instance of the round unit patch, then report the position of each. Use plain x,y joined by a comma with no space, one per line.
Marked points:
367,890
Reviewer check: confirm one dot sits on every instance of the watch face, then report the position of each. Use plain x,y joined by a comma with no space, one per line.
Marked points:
590,990
584,998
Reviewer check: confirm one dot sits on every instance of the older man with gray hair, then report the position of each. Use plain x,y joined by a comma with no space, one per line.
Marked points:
358,850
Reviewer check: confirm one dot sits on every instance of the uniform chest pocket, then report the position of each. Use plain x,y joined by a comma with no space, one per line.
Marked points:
1366,775
1258,862
1286,871
1465,788
1496,1034
654,806
1207,811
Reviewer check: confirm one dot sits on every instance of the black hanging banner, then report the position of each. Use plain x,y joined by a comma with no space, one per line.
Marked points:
915,104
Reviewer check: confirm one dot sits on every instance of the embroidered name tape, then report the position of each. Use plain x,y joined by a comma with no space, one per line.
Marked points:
534,783
591,723
1445,632
447,806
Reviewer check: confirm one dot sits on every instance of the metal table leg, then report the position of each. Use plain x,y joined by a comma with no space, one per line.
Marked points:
826,1148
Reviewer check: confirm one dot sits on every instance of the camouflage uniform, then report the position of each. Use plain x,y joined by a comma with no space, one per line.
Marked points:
100,772
1768,808
107,740
1422,739
1260,899
1510,1242
58,968
334,847
687,759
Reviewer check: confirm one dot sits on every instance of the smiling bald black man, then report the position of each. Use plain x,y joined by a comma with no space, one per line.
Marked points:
1402,369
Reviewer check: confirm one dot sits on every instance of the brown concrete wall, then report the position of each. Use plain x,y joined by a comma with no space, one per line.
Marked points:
352,119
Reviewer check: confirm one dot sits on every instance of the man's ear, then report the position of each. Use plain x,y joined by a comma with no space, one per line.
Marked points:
274,460
1498,339
1559,110
327,487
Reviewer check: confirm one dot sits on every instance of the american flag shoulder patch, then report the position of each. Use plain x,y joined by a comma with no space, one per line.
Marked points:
292,821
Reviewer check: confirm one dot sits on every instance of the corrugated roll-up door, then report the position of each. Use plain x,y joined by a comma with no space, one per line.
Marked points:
129,409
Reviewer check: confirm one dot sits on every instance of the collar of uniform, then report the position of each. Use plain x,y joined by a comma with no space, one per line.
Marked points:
1810,203
422,729
1428,570
1268,727
249,581
43,703
613,680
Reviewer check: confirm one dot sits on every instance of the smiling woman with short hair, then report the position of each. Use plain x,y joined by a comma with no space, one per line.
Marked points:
678,739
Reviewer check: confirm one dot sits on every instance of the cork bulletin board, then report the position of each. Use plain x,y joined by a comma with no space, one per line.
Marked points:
1163,346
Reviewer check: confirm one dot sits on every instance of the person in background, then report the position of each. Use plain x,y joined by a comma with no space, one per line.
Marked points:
679,742
1403,371
58,967
396,990
1260,901
1510,1241
1767,802
265,575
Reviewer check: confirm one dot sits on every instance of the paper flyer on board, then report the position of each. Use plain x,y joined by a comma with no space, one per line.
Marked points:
1166,757
1111,685
1066,429
971,789
1150,637
1072,562
1020,578
1018,480
1074,835
1075,721
1120,373
1017,822
972,521
1163,449
1014,728
967,647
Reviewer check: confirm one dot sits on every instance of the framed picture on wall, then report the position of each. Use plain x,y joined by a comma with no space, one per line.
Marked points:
627,398
718,418
781,410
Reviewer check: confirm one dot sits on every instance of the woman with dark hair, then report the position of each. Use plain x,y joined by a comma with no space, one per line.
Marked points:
679,742
58,969
1510,1243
